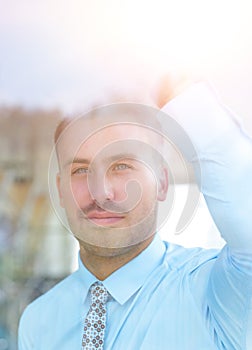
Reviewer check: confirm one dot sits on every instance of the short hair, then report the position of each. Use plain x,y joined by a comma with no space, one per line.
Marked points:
61,127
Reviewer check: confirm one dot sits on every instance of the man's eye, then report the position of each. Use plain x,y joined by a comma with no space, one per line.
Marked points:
121,166
80,171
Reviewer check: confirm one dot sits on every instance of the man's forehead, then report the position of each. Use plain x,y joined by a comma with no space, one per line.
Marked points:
110,142
109,129
111,114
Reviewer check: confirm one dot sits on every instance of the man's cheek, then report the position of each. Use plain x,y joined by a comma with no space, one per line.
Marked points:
80,198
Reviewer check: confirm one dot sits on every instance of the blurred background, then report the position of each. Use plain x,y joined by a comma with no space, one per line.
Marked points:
62,57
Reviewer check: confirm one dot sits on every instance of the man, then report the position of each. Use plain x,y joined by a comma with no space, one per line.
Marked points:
157,295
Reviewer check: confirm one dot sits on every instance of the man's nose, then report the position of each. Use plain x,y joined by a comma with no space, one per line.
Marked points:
100,187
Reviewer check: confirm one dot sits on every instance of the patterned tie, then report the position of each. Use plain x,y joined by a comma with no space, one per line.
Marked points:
95,322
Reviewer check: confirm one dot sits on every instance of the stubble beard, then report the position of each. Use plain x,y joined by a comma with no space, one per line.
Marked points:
113,240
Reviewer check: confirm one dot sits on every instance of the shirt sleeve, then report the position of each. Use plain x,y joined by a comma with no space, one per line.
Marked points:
228,299
223,151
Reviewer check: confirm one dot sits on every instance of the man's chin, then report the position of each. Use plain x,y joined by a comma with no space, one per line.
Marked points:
118,251
109,237
104,251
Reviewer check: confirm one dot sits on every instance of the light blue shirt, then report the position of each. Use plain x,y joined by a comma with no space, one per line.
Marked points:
170,297
167,297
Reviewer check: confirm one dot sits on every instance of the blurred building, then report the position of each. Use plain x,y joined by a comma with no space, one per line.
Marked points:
35,250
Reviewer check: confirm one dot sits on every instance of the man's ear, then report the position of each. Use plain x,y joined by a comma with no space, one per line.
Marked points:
58,182
162,184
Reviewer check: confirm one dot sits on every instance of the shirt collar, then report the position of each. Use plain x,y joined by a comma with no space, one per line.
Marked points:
124,282
86,278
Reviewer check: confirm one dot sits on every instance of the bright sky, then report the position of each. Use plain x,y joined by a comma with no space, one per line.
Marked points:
56,53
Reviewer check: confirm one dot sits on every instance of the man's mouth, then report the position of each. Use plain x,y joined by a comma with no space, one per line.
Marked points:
104,218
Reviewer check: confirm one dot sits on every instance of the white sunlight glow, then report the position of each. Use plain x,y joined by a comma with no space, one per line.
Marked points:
62,53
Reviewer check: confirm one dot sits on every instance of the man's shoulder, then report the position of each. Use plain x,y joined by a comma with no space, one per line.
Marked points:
60,293
40,314
179,257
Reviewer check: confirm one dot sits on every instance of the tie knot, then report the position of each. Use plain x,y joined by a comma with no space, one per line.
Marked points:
99,293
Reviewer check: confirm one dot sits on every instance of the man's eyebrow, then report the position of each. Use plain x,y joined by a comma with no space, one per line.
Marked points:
120,156
77,160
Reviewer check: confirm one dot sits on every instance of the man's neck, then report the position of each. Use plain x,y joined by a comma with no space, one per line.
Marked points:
102,262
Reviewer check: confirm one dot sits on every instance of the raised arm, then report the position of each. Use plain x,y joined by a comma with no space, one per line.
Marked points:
224,151
225,154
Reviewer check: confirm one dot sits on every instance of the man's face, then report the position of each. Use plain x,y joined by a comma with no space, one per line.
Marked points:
110,183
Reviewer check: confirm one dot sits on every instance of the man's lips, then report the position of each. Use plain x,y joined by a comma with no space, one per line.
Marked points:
103,217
